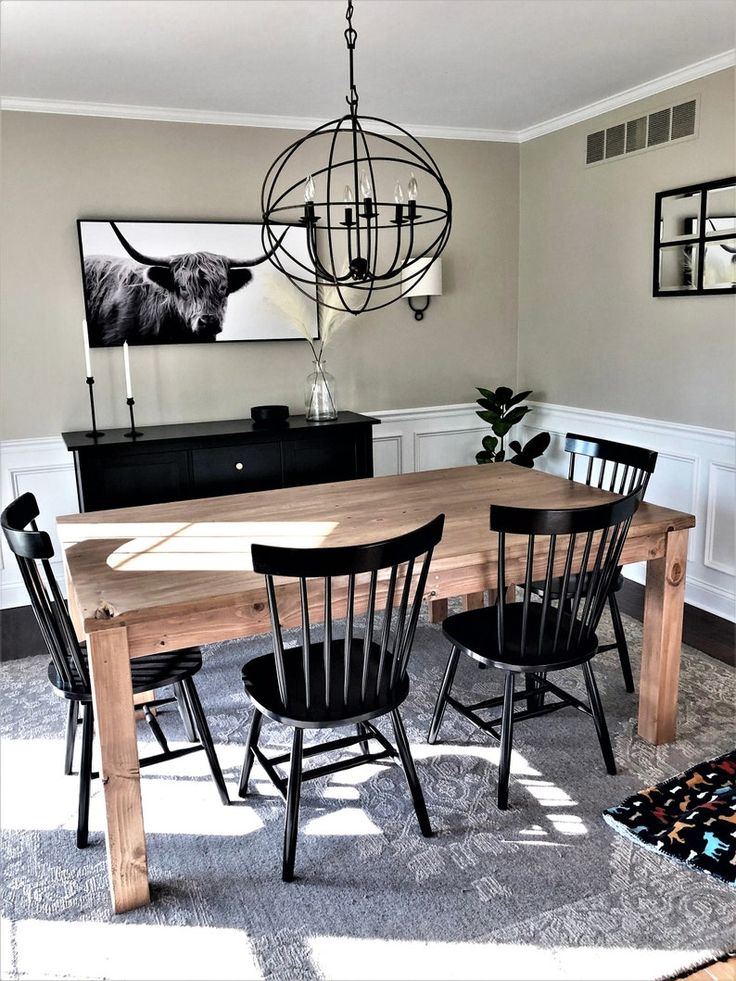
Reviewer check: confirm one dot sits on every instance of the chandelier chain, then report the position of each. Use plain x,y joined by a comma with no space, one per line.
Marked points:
363,251
351,36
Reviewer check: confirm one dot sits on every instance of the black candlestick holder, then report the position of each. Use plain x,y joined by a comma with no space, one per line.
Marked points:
94,432
132,433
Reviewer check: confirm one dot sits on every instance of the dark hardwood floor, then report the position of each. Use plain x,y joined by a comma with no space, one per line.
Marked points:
704,631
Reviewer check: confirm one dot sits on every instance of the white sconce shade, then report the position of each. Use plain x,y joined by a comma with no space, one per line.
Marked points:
430,284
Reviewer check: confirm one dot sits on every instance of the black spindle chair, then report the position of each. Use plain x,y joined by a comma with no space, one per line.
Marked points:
621,469
339,681
534,637
68,671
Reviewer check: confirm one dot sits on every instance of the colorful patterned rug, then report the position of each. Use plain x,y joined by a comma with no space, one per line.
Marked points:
690,818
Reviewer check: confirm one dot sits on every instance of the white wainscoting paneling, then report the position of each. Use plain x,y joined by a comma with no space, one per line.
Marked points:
696,471
44,467
426,439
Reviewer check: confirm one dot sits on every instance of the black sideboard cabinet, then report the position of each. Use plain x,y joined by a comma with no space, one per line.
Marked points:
208,459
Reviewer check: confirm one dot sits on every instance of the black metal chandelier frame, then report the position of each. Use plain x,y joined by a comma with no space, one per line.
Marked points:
361,220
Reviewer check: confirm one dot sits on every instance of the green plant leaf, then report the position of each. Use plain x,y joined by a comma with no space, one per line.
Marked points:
503,394
516,415
483,458
522,460
486,393
537,445
490,443
502,427
489,405
489,417
500,456
519,398
515,445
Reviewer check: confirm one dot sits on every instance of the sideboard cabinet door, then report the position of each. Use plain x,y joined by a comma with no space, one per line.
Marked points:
122,480
320,460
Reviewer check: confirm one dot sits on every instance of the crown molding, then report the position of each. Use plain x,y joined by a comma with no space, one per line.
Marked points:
214,118
727,59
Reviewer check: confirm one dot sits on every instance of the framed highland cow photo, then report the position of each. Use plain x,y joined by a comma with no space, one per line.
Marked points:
183,282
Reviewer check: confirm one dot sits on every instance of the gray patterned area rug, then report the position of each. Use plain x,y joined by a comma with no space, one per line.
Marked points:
544,890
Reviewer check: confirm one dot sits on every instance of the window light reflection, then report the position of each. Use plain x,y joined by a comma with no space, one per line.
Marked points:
206,546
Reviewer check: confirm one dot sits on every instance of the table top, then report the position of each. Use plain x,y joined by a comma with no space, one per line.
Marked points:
128,564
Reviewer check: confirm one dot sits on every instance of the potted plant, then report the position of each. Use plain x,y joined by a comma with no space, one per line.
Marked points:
501,410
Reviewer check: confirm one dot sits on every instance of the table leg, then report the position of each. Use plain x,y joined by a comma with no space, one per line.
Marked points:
437,610
664,601
114,716
510,595
474,601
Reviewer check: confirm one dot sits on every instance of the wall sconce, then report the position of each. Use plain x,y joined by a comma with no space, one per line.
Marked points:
428,286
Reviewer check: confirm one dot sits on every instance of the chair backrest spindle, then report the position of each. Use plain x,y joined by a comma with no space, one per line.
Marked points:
33,551
370,659
586,574
637,463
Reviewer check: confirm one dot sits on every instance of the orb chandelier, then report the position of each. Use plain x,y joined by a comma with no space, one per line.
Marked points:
371,200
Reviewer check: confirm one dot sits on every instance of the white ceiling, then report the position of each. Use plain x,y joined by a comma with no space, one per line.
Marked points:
487,65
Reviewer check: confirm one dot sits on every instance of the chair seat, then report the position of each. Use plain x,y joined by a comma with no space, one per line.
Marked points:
476,633
261,684
154,671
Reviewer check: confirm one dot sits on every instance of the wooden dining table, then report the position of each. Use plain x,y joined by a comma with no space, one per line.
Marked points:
157,578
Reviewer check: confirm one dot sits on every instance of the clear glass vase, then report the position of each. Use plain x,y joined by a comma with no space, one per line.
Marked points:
319,394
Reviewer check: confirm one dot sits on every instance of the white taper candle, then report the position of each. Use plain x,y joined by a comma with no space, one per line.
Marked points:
128,382
87,362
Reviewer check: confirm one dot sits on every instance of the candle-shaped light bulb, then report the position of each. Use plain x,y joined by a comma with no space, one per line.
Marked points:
309,190
126,362
412,188
85,338
398,193
366,191
348,195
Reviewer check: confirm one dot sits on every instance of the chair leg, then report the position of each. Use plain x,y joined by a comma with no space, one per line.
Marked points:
507,728
293,793
402,744
72,720
85,776
534,699
251,742
155,728
185,714
441,705
205,737
623,647
599,718
362,731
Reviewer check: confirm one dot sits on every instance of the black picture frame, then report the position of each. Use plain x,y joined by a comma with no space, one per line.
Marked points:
106,330
693,242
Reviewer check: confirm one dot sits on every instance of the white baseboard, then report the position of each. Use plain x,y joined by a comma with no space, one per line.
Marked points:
696,472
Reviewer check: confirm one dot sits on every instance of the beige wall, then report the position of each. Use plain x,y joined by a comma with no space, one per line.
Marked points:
59,168
590,332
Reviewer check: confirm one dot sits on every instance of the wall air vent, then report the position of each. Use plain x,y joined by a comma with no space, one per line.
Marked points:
643,133
683,120
659,127
615,141
596,144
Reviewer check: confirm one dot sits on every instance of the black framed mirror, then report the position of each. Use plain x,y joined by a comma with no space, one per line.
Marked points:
695,240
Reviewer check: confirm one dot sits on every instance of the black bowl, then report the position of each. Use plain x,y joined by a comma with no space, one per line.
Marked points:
269,415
